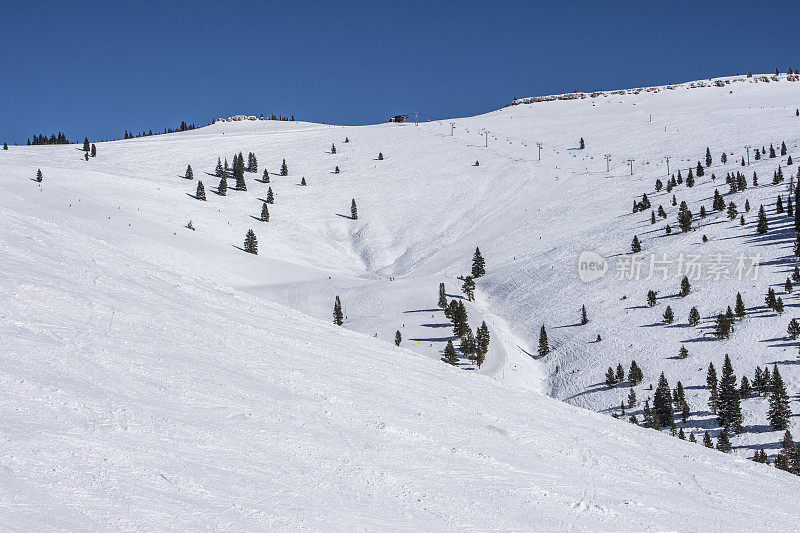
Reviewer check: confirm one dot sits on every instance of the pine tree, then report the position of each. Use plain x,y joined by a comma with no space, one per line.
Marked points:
681,435
631,399
686,287
94,150
708,157
729,411
635,375
265,177
284,169
611,378
722,327
353,210
468,288
201,191
771,151
651,298
723,443
669,316
683,353
380,156
481,343
796,275
442,303
5,146
189,174
584,318
222,188
450,355
582,144
39,176
85,144
779,306
336,170
333,148
684,218
694,317
793,329
636,246
711,382
662,401
338,316
744,389
398,338
303,181
707,440
251,243
779,413
620,373
264,212
732,211
770,299
270,197
544,347
740,309
218,169
478,265
467,345
783,148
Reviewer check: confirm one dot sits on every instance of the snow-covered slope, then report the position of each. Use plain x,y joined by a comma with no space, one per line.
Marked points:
155,377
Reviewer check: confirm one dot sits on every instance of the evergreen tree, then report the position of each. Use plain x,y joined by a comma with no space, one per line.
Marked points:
467,345
694,317
686,287
708,157
5,146
584,318
338,316
683,353
270,197
779,205
398,338
303,181
711,382
336,170
265,177
779,306
793,329
631,399
481,343
353,210
651,298
635,375
723,443
218,169
762,221
707,440
251,243
380,156
744,389
544,347
620,373
333,148
684,218
729,411
783,148
94,150
732,211
636,246
740,309
222,188
39,176
450,355
771,151
611,378
662,401
85,144
582,144
770,299
284,169
189,174
722,327
442,303
201,191
779,413
468,288
478,265
264,212
669,316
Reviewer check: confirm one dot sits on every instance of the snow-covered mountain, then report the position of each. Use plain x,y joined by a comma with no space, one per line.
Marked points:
155,377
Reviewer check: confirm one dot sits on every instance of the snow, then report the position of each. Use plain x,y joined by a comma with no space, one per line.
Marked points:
155,377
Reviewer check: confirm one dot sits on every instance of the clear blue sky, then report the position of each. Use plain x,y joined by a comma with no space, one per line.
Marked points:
98,68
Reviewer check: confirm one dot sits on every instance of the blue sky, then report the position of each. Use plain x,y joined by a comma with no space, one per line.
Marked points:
98,68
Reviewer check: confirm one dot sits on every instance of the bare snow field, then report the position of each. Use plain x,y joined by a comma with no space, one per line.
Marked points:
158,378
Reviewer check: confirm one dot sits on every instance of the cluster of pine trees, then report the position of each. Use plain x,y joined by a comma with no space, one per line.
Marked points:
182,127
59,138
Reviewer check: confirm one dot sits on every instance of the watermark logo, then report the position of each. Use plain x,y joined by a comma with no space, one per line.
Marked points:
591,266
635,267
